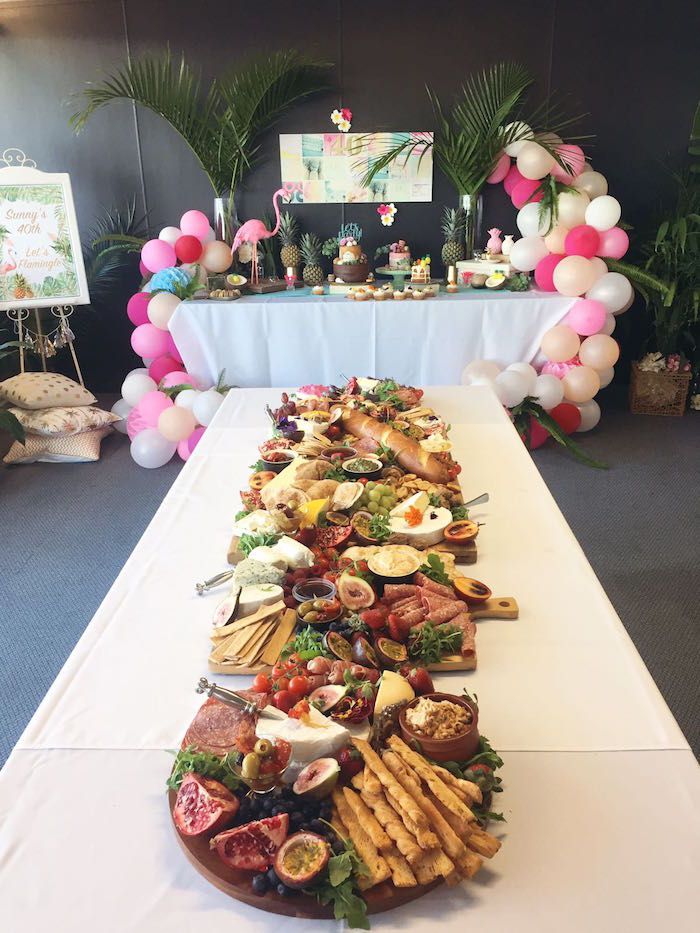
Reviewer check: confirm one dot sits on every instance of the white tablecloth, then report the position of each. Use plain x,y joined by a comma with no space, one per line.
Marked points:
602,794
291,339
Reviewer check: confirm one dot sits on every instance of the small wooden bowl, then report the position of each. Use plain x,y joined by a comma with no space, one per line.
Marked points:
459,748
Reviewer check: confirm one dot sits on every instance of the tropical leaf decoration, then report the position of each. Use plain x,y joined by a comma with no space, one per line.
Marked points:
485,118
528,408
111,249
222,123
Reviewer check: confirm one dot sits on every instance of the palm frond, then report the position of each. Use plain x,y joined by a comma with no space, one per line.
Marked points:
113,242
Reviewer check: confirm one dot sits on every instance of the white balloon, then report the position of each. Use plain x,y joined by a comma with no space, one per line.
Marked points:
603,212
141,371
609,325
529,373
170,235
572,208
206,406
614,290
548,391
482,381
526,253
524,133
529,223
151,450
187,398
121,409
606,376
511,388
135,386
476,368
209,237
593,183
590,415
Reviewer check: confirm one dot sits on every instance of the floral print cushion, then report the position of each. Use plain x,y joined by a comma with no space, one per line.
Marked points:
63,422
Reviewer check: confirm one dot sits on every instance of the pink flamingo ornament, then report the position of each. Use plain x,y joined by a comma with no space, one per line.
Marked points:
253,231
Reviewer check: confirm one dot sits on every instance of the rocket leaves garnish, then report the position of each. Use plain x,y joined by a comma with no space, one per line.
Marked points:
337,887
260,539
432,643
434,569
211,766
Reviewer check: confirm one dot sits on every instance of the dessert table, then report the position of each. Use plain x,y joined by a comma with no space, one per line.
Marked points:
602,795
292,338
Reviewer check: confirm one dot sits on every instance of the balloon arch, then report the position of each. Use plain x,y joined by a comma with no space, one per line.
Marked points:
565,242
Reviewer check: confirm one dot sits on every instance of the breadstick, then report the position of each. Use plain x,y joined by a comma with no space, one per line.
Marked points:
392,823
482,842
469,864
441,790
389,782
460,826
378,869
433,865
468,791
401,873
368,821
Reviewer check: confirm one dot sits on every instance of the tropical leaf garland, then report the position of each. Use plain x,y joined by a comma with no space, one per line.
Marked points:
529,407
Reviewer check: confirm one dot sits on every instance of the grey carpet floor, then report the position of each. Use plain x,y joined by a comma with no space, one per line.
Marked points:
66,530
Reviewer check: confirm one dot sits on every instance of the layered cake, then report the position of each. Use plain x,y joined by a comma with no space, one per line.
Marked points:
351,263
400,256
420,271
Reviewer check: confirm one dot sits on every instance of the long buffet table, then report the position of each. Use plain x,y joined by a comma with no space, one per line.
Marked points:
294,338
602,794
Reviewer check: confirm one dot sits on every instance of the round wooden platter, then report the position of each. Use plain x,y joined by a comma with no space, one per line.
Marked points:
238,884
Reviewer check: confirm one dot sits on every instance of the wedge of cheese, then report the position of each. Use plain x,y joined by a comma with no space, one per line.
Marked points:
320,737
393,688
418,501
429,531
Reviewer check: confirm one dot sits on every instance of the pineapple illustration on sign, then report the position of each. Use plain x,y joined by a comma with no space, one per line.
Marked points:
453,229
290,254
311,254
20,288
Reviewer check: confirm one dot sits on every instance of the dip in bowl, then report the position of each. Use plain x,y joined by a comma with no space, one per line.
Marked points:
444,725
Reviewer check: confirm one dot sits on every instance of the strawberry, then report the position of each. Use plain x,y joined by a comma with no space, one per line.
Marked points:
350,761
419,679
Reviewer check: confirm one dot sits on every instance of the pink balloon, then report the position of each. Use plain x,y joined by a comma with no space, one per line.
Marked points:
149,341
587,316
538,435
183,449
143,270
524,192
544,271
559,369
136,308
500,171
613,243
194,438
135,422
172,349
573,157
157,255
512,179
179,377
582,241
194,223
152,405
161,366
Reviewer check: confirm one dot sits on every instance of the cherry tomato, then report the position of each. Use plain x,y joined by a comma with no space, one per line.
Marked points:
262,684
484,769
293,660
363,566
279,670
331,577
284,700
299,685
299,709
282,684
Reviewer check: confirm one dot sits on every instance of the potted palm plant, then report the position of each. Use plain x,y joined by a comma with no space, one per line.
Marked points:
660,380
488,115
222,123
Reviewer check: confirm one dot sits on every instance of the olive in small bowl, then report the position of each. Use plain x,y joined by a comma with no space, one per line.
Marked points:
363,467
318,612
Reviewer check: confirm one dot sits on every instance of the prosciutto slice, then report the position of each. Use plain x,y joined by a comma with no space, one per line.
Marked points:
428,584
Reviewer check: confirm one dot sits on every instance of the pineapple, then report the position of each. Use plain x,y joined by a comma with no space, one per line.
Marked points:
311,254
21,288
290,254
453,223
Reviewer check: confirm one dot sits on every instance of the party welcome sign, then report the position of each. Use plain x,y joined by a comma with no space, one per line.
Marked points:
41,261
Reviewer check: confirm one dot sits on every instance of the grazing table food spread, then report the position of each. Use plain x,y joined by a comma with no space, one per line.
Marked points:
349,772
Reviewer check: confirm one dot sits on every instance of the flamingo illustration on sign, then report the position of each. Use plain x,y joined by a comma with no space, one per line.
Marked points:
9,258
253,231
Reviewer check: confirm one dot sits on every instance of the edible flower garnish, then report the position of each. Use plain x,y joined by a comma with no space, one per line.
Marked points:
413,516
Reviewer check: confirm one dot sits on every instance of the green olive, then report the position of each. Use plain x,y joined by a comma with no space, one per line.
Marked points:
264,748
304,608
250,768
312,616
319,604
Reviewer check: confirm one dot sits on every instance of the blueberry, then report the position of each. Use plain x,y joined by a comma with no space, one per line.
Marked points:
296,817
278,808
273,878
326,811
283,890
317,826
338,847
260,885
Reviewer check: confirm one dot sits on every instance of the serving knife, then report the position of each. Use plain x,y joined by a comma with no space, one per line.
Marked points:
234,699
213,581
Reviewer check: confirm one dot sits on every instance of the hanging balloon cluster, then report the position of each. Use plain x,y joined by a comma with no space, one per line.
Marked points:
564,243
163,408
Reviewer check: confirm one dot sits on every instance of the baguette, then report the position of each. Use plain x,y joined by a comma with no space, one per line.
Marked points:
409,453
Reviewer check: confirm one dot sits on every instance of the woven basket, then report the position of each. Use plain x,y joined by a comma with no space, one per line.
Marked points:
658,393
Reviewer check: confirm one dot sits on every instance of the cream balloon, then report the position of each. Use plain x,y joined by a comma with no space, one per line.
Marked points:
599,352
609,325
523,132
571,208
593,183
560,343
175,423
121,409
216,257
482,381
606,377
528,220
548,391
526,253
196,270
161,308
534,162
554,241
151,450
170,235
580,384
614,290
510,387
550,139
603,212
206,406
135,386
478,368
528,372
573,276
187,398
599,265
590,415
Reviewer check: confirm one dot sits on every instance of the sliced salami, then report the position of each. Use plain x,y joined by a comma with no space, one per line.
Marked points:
432,601
217,726
414,617
446,612
396,591
400,604
408,607
428,584
465,622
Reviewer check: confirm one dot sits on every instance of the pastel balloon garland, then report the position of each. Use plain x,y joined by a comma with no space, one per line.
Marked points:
566,253
163,408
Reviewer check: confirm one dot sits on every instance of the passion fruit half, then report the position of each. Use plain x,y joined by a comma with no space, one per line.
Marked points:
391,652
363,653
301,859
338,646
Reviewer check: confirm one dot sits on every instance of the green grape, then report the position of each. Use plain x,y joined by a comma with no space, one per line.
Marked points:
370,486
374,495
382,511
386,501
373,506
381,489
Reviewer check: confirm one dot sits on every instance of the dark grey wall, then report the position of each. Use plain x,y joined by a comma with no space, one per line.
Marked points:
631,65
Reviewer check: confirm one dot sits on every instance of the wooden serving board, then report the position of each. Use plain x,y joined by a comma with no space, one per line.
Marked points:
498,607
238,884
465,553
